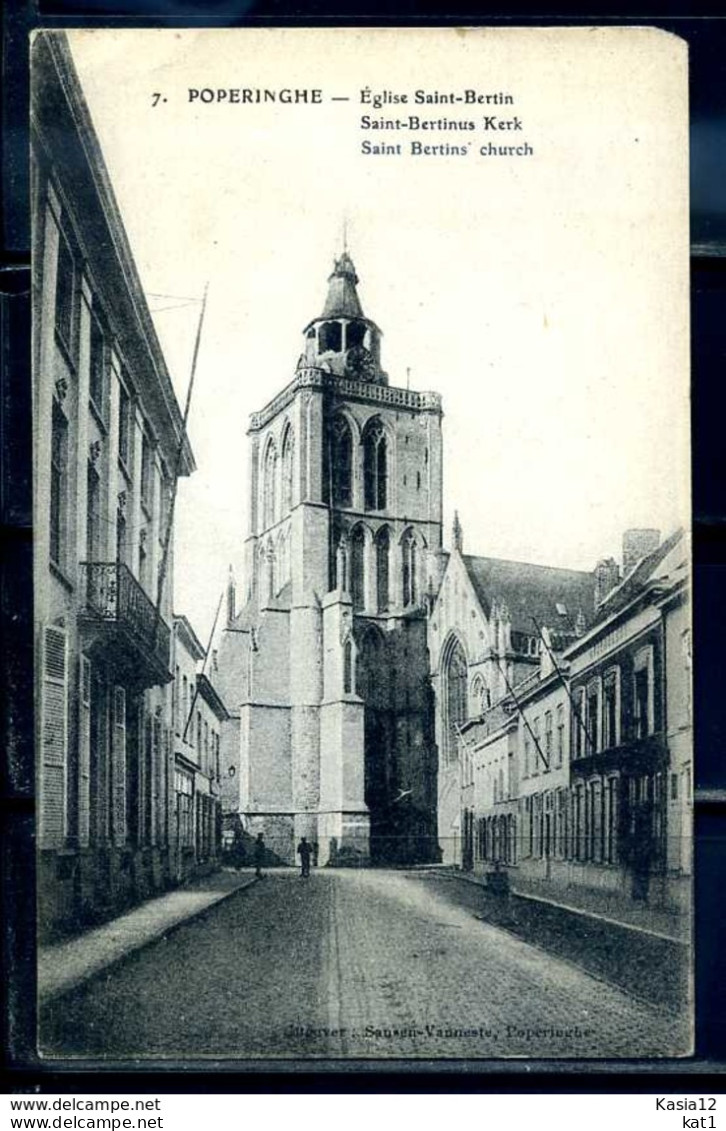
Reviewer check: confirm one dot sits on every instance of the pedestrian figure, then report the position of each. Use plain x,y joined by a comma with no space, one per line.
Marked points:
259,855
304,851
315,854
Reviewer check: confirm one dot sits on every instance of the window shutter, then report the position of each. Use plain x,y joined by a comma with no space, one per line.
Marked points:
53,737
84,751
119,766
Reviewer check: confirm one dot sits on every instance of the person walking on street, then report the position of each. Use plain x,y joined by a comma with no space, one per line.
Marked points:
259,855
304,851
315,854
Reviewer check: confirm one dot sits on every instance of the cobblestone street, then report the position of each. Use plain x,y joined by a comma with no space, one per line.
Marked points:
360,964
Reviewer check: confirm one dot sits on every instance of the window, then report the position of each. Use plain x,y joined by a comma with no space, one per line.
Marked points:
456,683
357,568
478,696
341,458
592,709
580,822
147,464
184,816
408,551
330,337
561,829
58,483
97,381
674,787
199,738
560,744
93,511
536,752
643,694
548,739
610,727
611,817
527,756
125,430
65,285
164,509
596,822
374,466
578,724
288,456
383,545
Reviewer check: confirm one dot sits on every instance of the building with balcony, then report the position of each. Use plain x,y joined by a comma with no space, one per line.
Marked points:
108,445
631,744
578,777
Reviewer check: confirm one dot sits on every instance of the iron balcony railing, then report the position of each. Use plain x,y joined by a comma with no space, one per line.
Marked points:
113,593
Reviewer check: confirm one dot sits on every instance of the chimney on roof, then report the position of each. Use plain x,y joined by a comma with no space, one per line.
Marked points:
546,663
607,576
457,534
638,544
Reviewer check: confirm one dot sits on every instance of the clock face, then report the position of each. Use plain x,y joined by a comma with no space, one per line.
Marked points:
359,363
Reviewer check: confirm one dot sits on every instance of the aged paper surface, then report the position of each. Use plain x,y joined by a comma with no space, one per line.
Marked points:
384,666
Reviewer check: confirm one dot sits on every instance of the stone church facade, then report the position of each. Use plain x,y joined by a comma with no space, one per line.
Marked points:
324,669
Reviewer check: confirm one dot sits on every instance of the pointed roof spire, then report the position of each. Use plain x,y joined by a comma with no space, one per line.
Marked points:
457,534
342,300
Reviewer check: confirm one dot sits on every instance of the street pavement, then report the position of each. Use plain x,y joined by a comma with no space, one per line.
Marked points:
64,965
353,964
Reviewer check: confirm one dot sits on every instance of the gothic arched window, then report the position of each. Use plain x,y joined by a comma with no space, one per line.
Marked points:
455,696
288,455
383,546
341,458
269,489
358,567
408,570
375,475
481,697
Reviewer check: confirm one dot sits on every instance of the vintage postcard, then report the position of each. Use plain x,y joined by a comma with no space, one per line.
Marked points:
362,570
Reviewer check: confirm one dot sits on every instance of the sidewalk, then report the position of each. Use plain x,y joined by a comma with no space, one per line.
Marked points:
600,904
67,964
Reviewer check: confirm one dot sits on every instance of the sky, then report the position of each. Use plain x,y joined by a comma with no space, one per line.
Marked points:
543,295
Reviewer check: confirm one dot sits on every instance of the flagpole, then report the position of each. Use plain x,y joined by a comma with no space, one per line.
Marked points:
180,451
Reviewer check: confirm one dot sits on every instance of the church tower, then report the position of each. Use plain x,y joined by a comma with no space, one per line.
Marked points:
325,668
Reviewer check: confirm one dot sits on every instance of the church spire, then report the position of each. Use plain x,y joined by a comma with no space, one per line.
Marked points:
457,534
342,300
342,340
